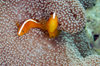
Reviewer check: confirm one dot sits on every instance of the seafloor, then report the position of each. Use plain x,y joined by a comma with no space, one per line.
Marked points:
35,49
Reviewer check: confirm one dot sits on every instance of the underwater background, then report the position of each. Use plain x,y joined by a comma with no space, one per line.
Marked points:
78,43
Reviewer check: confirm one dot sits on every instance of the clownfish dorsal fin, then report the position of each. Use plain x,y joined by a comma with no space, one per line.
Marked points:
54,15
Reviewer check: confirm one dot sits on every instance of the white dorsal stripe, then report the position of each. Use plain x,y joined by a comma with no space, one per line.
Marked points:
54,14
25,23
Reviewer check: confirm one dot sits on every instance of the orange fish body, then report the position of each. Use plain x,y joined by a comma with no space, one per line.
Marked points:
25,27
50,26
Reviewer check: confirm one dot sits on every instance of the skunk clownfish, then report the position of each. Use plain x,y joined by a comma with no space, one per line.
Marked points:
51,26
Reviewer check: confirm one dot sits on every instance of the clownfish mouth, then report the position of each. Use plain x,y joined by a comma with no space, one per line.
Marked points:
51,26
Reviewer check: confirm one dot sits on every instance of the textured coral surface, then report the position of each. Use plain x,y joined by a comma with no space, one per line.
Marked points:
93,26
35,47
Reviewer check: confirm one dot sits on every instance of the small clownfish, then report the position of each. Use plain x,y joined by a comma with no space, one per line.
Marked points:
51,26
30,23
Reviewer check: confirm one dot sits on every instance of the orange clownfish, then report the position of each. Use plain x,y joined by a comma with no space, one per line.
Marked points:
51,26
30,23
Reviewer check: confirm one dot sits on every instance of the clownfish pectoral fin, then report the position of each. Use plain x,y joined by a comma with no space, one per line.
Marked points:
30,23
52,25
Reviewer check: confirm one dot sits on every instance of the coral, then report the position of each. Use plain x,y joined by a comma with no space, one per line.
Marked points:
81,41
92,28
93,25
88,3
35,48
92,60
97,45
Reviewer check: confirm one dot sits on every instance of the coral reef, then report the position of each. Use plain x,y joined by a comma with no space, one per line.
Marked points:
92,60
36,48
93,18
88,3
93,25
81,41
97,45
